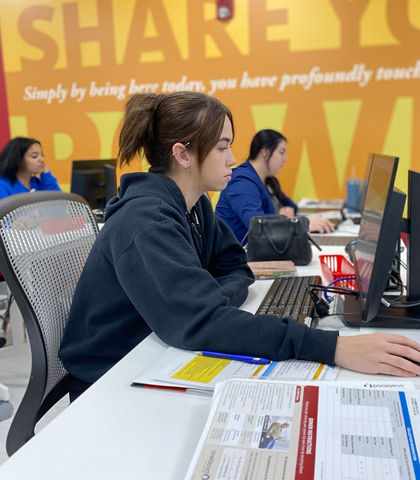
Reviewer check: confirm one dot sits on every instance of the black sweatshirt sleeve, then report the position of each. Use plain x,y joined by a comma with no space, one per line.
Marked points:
189,308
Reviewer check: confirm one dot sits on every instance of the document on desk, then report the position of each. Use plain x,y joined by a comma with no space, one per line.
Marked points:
308,203
186,369
273,430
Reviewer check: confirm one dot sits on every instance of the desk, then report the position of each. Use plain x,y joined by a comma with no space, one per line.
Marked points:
116,431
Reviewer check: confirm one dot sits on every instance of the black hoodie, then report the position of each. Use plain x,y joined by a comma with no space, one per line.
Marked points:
144,274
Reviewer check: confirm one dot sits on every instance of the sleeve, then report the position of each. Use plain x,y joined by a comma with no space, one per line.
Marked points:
245,199
228,264
188,308
48,182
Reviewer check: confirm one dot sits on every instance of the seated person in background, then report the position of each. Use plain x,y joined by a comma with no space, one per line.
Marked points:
168,265
254,190
23,168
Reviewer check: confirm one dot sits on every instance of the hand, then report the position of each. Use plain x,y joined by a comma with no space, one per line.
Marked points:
287,212
378,353
319,224
45,169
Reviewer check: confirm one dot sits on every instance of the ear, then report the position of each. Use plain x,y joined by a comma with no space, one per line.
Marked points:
265,153
181,155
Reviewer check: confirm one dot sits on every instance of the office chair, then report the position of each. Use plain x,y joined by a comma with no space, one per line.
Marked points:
45,238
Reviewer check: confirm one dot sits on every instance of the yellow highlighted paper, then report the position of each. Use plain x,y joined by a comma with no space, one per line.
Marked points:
201,369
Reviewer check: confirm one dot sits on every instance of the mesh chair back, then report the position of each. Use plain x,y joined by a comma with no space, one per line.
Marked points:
45,238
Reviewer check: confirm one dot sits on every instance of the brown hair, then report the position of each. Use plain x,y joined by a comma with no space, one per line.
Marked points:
154,123
268,139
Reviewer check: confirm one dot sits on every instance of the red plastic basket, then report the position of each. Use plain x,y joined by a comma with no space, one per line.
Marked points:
335,267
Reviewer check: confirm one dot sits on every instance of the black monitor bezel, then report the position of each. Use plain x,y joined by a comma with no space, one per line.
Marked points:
413,235
385,248
110,180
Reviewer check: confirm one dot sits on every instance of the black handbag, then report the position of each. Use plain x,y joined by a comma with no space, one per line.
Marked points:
279,238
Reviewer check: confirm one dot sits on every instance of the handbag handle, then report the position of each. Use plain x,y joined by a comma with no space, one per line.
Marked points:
274,246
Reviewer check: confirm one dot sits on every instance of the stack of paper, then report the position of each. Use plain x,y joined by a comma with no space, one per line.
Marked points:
272,269
185,370
276,430
315,204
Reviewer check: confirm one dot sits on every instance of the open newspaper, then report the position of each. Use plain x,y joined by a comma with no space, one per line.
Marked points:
272,430
184,369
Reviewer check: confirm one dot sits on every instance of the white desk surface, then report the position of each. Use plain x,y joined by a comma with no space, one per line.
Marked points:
117,431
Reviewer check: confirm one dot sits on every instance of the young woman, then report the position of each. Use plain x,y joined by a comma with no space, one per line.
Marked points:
23,168
254,190
164,263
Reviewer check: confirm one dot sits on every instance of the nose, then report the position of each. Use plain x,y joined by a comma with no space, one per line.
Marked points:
231,160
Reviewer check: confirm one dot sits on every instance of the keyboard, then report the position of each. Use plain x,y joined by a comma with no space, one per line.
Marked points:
288,298
325,239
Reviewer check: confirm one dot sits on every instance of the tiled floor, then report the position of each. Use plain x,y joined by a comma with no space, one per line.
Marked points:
14,373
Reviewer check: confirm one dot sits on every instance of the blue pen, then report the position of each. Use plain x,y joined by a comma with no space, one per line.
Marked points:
240,358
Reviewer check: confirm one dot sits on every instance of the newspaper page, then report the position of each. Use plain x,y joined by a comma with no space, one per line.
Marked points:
273,430
189,370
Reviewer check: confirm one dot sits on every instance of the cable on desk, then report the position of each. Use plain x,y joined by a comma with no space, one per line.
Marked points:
327,298
321,305
340,290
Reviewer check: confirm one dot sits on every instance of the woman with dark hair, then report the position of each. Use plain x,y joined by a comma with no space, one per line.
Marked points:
254,190
23,168
167,264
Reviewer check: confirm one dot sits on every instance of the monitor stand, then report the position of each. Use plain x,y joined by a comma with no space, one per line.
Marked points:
387,317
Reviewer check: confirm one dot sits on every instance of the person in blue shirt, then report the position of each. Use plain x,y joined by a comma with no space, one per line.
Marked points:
23,168
254,190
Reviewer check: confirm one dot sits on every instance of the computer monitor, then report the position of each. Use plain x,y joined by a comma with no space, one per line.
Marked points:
110,182
380,228
363,185
94,180
412,228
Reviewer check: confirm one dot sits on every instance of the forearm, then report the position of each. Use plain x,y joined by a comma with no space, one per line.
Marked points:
264,336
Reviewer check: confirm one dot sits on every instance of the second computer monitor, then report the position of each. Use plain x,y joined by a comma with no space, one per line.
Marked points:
94,180
379,231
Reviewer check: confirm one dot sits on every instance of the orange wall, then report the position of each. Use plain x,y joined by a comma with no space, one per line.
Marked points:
340,79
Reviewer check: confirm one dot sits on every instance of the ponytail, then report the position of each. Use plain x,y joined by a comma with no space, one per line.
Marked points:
137,133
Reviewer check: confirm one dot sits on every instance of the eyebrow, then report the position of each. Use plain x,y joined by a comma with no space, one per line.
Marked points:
224,139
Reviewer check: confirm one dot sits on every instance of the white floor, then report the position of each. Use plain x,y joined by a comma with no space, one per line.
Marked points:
14,373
